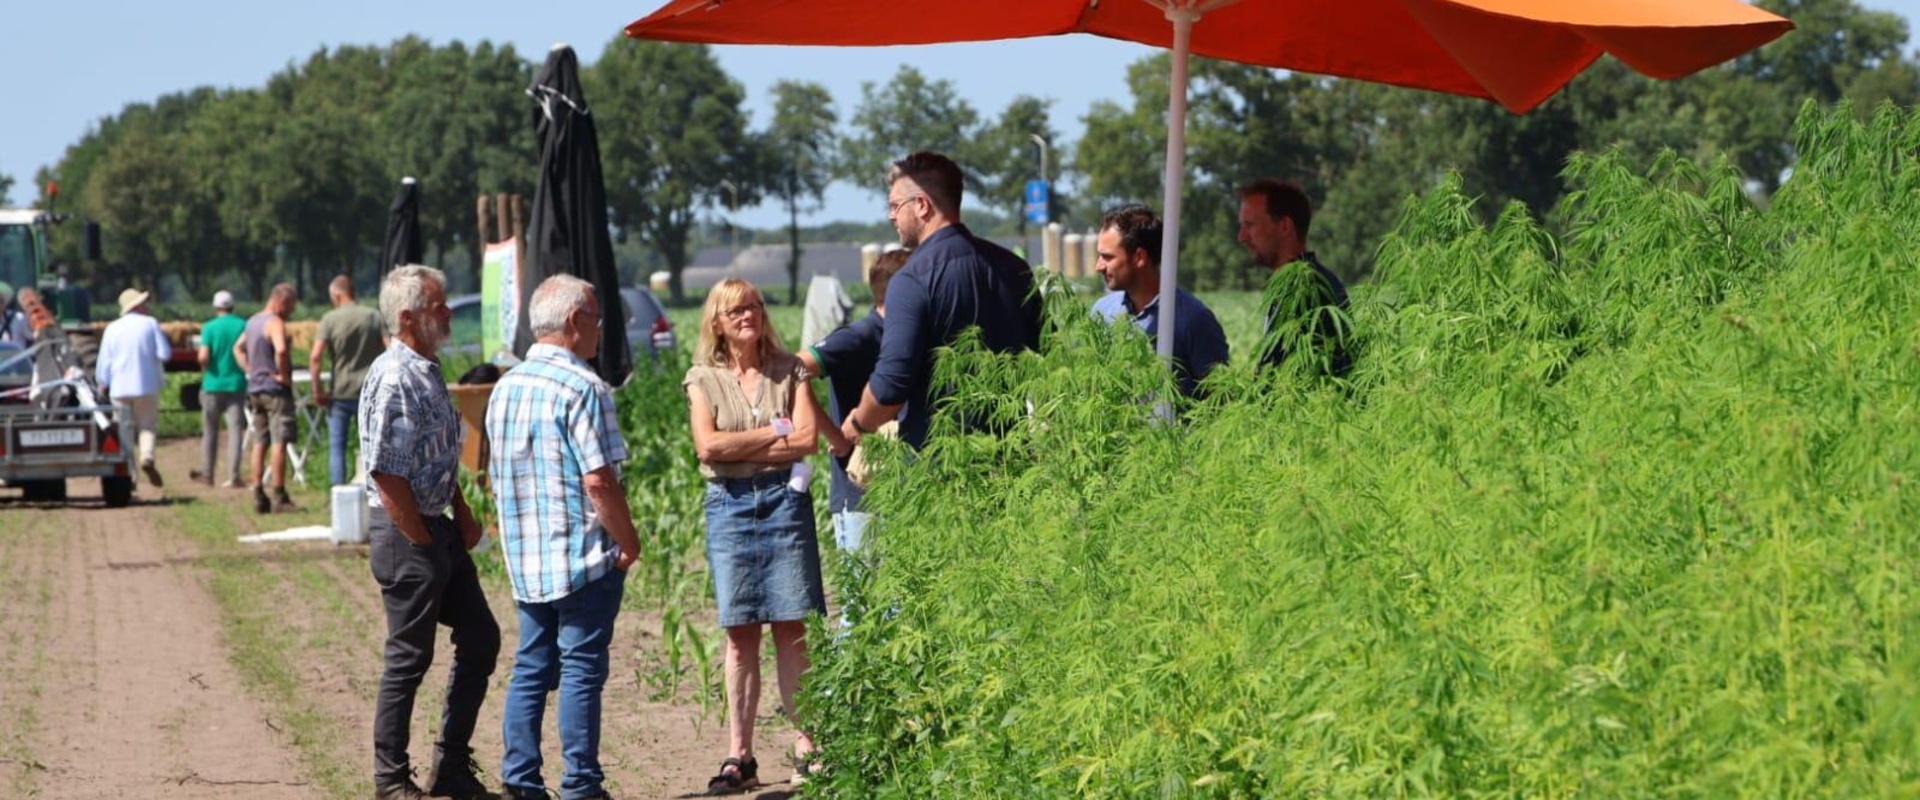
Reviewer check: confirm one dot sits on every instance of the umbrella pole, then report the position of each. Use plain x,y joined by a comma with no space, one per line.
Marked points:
1182,19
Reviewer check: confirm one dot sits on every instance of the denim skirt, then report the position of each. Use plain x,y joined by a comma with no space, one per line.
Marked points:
763,551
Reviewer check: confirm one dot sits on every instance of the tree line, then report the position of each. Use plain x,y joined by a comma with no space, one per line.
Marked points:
291,180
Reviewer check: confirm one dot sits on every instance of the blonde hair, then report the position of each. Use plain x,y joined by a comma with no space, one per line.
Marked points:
712,350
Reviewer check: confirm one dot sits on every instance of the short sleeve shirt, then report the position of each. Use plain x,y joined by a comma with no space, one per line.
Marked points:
223,373
551,421
353,335
736,412
409,427
1199,343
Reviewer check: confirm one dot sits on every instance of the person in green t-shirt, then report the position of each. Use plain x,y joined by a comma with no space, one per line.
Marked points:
357,335
223,391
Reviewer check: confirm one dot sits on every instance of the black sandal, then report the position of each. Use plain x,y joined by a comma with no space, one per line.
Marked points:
745,775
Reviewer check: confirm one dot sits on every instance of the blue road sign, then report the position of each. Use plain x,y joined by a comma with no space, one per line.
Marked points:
1038,193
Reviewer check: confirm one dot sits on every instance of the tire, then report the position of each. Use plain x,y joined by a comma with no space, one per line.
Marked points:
190,396
117,491
44,491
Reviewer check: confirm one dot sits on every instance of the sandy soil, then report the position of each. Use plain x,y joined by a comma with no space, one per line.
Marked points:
116,679
124,683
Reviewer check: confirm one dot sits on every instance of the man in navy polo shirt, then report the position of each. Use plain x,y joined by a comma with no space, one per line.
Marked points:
953,281
846,358
1128,260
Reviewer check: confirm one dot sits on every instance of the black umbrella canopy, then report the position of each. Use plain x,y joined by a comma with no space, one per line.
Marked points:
404,245
567,226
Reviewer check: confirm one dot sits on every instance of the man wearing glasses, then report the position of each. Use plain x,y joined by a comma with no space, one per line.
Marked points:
953,281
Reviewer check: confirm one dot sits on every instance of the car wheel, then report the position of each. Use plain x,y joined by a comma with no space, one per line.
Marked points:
117,491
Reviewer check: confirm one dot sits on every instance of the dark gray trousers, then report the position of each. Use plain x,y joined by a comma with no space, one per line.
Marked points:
423,588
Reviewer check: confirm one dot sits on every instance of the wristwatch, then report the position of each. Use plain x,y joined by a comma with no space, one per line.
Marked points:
855,421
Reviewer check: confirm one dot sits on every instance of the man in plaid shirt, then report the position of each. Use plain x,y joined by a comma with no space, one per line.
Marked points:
567,534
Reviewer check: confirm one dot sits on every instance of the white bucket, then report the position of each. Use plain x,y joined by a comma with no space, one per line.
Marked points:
349,514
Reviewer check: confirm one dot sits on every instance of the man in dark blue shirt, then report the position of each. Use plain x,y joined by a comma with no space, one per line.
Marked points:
1127,256
952,282
846,358
1274,218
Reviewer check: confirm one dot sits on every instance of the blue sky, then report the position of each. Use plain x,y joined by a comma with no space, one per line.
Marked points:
71,63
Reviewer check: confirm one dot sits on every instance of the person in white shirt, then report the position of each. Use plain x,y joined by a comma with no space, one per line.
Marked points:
132,352
13,319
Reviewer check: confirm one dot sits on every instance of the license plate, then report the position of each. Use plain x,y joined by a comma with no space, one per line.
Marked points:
61,437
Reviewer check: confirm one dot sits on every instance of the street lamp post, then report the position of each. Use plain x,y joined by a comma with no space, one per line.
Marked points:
733,196
1048,216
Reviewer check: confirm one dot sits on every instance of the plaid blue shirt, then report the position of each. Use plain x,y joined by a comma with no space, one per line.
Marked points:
410,428
550,422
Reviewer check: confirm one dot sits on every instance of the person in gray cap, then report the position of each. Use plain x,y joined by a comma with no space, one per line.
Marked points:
132,352
223,392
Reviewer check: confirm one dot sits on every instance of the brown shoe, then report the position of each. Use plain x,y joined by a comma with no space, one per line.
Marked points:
153,474
201,478
282,504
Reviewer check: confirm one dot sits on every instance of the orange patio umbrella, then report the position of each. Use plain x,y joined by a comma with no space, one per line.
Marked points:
1515,52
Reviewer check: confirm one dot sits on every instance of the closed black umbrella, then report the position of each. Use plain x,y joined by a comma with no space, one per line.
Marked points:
567,226
403,229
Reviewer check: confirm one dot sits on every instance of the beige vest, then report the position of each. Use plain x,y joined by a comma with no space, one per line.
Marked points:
735,412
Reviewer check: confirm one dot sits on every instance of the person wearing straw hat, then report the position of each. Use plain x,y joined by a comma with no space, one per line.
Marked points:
132,352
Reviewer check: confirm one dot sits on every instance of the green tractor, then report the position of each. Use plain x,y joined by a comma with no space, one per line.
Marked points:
53,423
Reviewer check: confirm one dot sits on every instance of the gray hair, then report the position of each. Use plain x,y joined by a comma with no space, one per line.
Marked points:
405,290
556,299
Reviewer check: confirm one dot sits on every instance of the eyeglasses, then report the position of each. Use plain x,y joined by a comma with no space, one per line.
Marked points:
894,205
743,309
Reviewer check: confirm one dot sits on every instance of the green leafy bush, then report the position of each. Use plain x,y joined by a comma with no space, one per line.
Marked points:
1618,512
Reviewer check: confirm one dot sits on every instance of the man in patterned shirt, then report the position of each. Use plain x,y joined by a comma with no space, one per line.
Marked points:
566,531
421,531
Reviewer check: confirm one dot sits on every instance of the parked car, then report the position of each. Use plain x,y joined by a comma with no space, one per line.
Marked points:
465,336
647,323
649,330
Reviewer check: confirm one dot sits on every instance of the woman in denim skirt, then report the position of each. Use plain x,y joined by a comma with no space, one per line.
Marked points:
753,420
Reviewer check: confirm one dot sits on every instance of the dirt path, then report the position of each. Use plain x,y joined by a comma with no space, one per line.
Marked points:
117,667
120,685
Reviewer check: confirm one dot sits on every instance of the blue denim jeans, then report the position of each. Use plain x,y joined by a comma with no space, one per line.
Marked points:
340,414
563,645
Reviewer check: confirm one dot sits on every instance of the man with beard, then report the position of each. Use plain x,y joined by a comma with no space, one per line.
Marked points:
1274,217
421,530
953,281
1127,256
